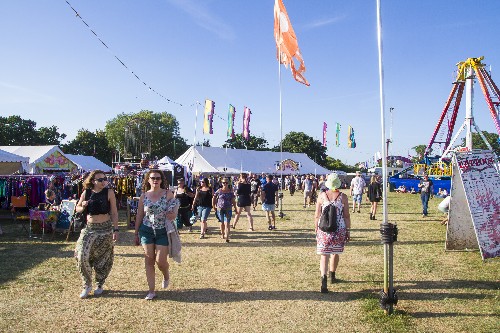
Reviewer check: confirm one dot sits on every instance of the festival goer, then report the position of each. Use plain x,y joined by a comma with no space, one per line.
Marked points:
269,197
357,187
442,193
156,210
184,194
94,248
374,195
330,244
425,187
308,188
50,198
203,202
255,190
222,202
243,191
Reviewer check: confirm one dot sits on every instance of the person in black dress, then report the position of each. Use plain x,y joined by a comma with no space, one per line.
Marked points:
203,202
244,201
374,195
185,197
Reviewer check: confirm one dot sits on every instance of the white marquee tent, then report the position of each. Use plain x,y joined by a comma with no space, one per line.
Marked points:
10,162
43,159
201,159
88,163
166,163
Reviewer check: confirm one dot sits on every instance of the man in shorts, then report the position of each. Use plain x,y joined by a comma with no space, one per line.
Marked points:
269,197
357,187
308,188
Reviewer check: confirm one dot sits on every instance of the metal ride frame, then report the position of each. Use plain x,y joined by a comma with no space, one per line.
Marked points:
468,70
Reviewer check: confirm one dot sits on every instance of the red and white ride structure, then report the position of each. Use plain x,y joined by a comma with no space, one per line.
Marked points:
468,71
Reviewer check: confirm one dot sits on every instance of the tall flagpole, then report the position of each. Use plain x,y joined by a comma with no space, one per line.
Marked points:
280,194
388,231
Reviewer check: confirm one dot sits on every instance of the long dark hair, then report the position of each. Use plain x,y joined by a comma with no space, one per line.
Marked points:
145,182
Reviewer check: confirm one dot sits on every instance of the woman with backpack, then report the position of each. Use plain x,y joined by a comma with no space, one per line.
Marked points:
331,243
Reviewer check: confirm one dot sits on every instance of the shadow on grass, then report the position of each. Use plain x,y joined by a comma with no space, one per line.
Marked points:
211,295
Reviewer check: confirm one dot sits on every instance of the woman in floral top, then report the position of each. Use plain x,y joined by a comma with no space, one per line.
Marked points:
223,201
157,208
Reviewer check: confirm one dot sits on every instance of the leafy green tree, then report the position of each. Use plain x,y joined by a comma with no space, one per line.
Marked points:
478,143
15,131
254,143
299,142
335,164
90,144
420,150
145,131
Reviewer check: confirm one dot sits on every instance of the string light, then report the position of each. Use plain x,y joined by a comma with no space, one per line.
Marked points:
119,60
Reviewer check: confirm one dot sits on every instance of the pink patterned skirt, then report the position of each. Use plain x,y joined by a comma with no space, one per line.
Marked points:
331,242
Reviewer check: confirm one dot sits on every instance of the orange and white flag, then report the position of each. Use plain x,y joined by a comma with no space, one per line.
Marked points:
286,42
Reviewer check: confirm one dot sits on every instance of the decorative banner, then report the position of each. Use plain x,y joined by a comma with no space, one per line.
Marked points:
230,121
246,123
286,42
325,126
351,143
337,135
288,165
209,117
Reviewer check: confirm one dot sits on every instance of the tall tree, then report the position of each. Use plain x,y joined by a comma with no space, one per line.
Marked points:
478,143
254,143
90,144
145,132
15,131
299,142
420,150
336,164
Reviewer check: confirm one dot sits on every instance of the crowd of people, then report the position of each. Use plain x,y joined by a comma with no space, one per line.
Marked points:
161,212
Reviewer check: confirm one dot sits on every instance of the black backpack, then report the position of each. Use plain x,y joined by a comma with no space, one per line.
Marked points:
328,219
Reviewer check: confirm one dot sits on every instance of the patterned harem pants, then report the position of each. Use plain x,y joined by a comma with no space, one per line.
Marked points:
94,249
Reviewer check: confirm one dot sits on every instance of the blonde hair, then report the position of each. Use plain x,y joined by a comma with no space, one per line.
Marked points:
373,179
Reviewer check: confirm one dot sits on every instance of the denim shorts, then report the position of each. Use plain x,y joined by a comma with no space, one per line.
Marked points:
357,197
225,215
203,212
148,235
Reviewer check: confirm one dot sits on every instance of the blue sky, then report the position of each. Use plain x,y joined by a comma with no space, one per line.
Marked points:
55,72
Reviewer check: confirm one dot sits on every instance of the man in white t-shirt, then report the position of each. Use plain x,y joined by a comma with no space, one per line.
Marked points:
357,187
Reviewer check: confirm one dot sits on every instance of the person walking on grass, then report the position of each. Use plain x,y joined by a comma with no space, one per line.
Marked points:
185,196
426,190
94,248
156,211
255,190
243,191
330,244
374,195
357,187
223,201
203,202
269,198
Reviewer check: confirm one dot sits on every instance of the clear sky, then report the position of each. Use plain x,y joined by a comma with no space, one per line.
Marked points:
54,71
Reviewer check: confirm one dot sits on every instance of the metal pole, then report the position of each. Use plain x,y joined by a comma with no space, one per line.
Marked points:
387,247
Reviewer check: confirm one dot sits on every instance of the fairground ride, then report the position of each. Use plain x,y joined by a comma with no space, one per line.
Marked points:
438,166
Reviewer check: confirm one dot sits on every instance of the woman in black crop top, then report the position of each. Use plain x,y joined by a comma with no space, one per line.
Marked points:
203,200
94,248
244,201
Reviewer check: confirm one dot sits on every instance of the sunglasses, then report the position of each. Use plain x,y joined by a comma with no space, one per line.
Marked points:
100,180
155,178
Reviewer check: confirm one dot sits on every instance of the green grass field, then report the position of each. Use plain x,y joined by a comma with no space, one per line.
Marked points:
262,281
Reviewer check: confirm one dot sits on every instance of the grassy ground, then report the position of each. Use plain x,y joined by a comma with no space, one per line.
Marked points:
261,281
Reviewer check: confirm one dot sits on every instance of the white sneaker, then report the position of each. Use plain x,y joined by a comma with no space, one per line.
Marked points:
86,291
98,291
150,296
165,283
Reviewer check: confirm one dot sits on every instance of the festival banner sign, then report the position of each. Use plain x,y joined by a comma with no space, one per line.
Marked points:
246,123
230,121
325,126
337,135
209,117
481,182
